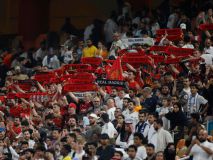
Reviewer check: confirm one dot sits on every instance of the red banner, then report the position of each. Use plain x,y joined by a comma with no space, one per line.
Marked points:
175,31
171,38
91,60
179,51
44,76
170,60
136,60
206,26
80,87
76,66
158,48
80,81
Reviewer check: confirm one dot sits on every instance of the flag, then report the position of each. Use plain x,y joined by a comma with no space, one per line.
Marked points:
115,72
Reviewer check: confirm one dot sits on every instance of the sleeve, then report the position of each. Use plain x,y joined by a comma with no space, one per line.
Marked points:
15,155
202,100
169,138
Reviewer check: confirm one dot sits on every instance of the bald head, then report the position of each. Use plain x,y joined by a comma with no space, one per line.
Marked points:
202,135
110,103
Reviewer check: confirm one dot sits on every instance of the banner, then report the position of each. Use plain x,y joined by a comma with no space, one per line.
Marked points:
142,41
174,31
136,60
179,51
158,48
206,26
92,60
171,38
76,66
115,71
116,83
44,76
79,87
79,81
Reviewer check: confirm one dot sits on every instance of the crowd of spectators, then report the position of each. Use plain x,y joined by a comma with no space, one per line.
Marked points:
161,114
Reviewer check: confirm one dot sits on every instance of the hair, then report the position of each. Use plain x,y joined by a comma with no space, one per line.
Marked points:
195,116
194,85
128,99
131,101
73,135
150,145
133,146
119,152
67,148
179,105
92,144
140,136
159,121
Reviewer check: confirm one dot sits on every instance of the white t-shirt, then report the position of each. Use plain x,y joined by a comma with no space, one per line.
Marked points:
109,129
111,113
141,152
199,154
208,50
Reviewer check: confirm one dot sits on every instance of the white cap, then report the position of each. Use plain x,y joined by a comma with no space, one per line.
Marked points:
93,115
183,26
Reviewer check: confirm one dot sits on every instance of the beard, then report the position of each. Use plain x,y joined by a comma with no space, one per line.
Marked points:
202,140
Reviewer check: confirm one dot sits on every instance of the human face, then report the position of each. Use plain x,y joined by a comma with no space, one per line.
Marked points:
92,120
142,117
55,135
137,141
87,97
202,136
120,120
151,119
72,122
89,43
186,82
125,103
131,152
165,90
92,149
176,108
193,90
121,94
165,103
117,156
117,112
150,151
26,135
96,102
130,106
128,127
16,122
159,156
131,76
174,100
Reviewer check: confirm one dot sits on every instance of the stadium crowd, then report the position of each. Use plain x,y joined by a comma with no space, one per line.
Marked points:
136,87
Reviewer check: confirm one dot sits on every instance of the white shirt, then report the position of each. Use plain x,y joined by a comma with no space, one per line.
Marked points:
134,117
109,129
111,113
208,50
31,143
199,154
188,46
119,102
141,152
124,144
53,64
163,137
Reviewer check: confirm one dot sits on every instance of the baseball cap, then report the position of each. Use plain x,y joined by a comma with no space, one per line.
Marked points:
72,105
183,26
93,115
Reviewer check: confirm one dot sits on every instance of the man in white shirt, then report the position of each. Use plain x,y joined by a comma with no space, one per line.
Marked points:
27,135
208,47
200,148
138,141
119,98
132,114
111,108
163,137
108,127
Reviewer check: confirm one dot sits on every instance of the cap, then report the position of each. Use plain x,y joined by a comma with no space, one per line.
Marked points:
128,121
93,115
104,136
2,129
183,26
72,105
